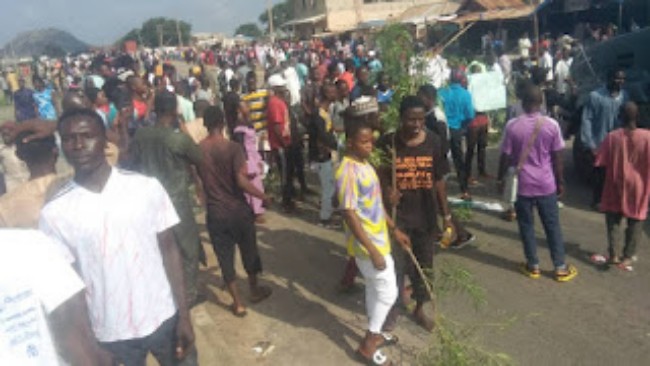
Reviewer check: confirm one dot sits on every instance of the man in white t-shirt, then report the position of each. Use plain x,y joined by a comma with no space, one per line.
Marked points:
524,46
118,227
546,63
562,73
42,302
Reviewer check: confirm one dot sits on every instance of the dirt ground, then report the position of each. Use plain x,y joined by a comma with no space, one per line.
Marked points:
601,318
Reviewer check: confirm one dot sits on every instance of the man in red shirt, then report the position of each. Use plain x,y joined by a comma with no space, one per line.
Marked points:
278,125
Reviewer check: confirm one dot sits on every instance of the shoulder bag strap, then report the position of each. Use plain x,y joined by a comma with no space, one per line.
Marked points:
531,142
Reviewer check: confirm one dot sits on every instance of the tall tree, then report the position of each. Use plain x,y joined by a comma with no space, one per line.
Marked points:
155,30
249,30
282,13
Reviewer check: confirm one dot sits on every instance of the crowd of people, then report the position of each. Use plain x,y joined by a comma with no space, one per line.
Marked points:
144,145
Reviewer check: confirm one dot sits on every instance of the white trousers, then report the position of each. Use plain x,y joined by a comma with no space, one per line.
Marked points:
381,291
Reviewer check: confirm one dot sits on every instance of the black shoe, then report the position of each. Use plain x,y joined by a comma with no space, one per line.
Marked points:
458,244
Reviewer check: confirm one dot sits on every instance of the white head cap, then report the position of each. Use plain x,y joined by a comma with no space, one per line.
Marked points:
277,81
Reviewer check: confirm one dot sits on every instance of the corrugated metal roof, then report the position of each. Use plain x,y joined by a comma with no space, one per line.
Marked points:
500,14
500,4
427,12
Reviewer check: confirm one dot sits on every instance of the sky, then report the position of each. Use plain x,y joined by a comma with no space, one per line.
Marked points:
103,22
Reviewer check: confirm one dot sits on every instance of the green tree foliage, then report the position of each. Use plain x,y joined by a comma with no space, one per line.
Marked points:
149,36
282,13
249,30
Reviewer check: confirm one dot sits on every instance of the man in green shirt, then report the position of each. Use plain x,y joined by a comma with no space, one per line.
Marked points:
163,152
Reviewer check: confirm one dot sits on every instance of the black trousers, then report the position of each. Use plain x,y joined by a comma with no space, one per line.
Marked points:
229,233
423,248
456,137
477,139
296,167
599,184
281,157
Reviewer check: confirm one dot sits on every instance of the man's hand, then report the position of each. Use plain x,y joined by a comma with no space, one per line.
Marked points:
378,260
402,239
38,128
394,197
560,189
184,337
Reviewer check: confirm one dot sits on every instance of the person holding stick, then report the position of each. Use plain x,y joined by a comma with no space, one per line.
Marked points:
415,187
367,228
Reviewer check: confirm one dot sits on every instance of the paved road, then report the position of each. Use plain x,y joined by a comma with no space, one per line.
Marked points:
601,318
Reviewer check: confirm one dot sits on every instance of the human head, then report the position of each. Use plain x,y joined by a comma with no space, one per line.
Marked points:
456,76
329,92
359,139
104,70
96,96
363,75
165,104
234,85
38,83
349,65
136,84
251,81
75,99
630,115
532,99
200,106
214,119
343,89
83,140
412,113
429,95
37,152
278,84
615,80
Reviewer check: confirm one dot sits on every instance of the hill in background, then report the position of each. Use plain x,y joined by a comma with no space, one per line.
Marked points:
52,42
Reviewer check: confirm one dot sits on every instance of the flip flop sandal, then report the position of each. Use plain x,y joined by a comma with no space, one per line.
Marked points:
571,273
598,259
238,313
627,267
530,273
389,340
378,358
264,293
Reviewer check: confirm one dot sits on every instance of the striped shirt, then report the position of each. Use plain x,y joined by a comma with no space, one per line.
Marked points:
256,102
359,190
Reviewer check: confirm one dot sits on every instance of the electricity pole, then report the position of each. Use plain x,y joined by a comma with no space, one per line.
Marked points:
159,28
178,33
269,12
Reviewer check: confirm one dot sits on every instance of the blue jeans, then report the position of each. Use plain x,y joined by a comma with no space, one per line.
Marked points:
550,216
161,343
328,189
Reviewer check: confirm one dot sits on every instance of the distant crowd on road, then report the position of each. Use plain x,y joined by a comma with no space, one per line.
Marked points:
146,142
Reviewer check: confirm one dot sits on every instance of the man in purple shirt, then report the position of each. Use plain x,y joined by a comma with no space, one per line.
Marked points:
540,181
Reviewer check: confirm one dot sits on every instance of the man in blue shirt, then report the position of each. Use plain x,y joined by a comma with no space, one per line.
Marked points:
600,116
459,111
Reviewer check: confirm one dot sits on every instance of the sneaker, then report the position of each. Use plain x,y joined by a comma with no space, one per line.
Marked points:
529,272
329,224
567,274
458,244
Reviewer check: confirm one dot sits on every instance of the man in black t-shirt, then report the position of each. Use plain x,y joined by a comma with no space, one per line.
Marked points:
419,195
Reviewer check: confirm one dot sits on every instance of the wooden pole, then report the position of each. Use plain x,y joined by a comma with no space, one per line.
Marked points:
269,12
536,30
178,33
455,37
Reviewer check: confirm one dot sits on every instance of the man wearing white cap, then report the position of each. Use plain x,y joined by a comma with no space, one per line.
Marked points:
278,125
